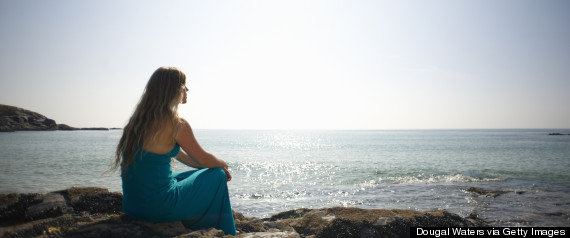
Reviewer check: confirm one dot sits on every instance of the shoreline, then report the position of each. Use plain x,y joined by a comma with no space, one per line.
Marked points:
92,211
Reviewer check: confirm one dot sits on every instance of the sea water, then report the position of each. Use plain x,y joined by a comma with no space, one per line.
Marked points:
275,171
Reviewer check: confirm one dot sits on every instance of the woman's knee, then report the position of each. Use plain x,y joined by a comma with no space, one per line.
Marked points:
218,173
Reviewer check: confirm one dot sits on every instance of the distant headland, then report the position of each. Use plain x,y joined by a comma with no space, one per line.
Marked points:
18,119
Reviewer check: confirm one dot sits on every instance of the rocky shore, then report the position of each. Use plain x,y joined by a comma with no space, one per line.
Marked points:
96,212
18,119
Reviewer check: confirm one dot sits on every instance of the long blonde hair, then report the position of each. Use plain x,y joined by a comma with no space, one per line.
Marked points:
158,105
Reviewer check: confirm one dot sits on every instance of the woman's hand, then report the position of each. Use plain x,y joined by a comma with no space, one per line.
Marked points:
228,175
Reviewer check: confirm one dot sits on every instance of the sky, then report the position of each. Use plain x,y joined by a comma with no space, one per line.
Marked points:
294,64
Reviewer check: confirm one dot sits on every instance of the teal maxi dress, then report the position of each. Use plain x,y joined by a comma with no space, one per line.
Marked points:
198,198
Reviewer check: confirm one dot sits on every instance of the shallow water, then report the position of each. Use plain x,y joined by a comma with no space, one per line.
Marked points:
275,171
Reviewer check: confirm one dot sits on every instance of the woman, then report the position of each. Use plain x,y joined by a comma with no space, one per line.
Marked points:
155,134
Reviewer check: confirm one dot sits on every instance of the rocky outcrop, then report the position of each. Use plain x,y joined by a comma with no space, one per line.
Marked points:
64,127
556,134
94,129
17,119
96,212
481,192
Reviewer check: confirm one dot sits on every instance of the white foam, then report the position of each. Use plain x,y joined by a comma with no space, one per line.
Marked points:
426,179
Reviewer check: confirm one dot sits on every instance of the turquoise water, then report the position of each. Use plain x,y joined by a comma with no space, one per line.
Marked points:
281,170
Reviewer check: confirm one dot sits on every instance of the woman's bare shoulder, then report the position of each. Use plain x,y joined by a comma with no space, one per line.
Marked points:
183,125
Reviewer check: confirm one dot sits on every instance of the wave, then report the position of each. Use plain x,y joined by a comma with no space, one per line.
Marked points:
426,179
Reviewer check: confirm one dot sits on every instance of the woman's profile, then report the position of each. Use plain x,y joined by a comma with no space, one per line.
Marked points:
153,136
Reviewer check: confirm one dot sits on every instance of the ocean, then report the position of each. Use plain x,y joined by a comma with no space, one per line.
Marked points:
275,171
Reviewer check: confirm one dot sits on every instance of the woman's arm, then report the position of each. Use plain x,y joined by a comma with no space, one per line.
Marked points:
195,152
184,158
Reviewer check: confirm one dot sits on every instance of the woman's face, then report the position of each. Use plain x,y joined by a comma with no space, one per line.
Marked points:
185,96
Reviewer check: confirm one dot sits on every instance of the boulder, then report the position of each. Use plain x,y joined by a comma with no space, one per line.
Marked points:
481,192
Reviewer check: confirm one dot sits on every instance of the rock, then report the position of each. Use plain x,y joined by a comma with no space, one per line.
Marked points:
204,233
357,222
64,127
290,214
94,200
382,221
556,134
52,205
274,234
96,212
17,119
94,129
480,192
13,207
125,226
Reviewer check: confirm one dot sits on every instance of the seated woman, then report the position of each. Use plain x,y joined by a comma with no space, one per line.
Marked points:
153,136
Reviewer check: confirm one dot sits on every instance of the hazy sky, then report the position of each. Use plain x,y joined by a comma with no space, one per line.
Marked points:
294,64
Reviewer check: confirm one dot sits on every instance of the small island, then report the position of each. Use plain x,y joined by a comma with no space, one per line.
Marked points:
18,119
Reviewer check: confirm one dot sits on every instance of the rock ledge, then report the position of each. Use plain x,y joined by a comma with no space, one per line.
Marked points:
96,212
